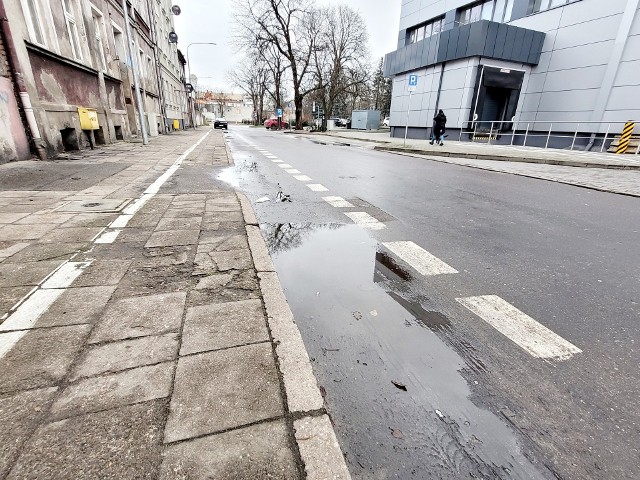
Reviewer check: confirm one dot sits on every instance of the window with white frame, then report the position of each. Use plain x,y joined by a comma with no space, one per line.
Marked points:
494,10
98,26
72,28
34,21
536,6
420,32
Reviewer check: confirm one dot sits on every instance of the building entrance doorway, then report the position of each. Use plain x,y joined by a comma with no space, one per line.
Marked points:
496,98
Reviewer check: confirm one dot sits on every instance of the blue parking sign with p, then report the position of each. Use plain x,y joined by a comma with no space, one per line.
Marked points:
413,82
279,112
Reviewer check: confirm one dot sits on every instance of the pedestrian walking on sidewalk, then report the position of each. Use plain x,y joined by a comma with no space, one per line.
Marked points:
437,131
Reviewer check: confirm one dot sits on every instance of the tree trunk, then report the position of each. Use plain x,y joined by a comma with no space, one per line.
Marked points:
297,100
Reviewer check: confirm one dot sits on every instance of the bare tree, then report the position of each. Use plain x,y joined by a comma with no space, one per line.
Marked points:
291,26
250,76
341,58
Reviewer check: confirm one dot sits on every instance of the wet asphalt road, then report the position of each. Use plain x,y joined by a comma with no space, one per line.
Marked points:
476,404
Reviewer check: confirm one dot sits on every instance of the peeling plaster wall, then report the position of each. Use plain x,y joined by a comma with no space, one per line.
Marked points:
13,139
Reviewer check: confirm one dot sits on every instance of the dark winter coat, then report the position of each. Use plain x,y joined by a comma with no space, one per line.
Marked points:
440,121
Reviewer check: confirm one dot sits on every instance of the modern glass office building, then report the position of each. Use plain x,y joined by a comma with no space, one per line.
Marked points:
534,65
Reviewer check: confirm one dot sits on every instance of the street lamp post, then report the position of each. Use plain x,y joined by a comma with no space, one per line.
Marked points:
193,108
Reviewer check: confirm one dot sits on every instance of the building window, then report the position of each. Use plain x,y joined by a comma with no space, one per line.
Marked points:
34,22
494,10
118,41
72,28
424,30
97,26
536,6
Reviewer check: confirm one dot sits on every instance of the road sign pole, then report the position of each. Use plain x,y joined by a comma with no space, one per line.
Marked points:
406,125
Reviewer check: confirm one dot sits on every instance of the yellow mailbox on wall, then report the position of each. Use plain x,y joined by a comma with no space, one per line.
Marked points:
88,118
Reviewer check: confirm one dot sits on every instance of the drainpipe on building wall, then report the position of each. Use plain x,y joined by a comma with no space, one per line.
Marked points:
156,60
15,67
136,81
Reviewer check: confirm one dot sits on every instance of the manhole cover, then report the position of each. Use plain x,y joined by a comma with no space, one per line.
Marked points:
98,206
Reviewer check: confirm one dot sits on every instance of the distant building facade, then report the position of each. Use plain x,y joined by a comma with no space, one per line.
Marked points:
566,65
235,108
71,54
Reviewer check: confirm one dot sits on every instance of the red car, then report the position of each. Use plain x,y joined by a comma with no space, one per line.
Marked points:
272,124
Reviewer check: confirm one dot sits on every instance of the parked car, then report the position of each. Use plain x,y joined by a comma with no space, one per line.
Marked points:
385,122
220,123
272,124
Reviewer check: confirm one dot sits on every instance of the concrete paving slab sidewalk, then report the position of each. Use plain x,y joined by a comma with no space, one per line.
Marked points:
603,172
153,342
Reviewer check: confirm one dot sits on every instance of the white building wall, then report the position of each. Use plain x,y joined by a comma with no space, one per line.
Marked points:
577,71
570,80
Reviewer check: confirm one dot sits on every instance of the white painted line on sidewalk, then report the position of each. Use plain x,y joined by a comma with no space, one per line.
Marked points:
108,237
8,341
419,259
302,178
65,275
364,220
293,171
337,202
26,315
285,165
316,187
112,233
520,328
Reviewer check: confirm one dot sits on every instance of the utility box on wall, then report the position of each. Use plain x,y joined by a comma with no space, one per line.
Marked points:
88,119
365,119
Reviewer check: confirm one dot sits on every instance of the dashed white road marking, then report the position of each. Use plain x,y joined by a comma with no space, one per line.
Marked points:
284,165
268,155
364,220
520,328
419,259
337,202
277,161
316,187
302,178
293,171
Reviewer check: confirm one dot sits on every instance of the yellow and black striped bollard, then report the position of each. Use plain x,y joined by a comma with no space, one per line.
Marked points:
625,138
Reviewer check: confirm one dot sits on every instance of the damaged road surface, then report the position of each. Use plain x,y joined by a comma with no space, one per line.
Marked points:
461,323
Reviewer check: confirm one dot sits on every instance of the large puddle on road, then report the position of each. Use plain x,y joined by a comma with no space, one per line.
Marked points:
365,327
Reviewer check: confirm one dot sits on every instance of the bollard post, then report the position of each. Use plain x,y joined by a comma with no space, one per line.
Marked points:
625,138
546,145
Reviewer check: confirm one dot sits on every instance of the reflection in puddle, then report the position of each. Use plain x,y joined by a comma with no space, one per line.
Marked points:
326,273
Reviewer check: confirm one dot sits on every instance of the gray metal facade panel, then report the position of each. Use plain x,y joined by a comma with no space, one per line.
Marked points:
483,38
536,48
402,38
501,38
489,47
478,36
449,20
509,42
525,50
463,41
517,45
520,9
452,45
443,46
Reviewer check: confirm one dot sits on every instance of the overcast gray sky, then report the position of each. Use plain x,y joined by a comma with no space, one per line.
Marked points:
211,21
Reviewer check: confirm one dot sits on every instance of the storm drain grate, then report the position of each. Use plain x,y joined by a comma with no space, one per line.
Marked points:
94,206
